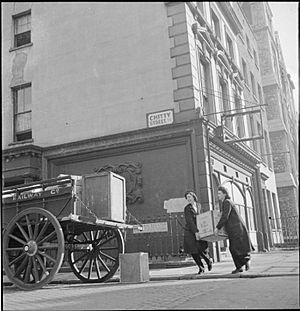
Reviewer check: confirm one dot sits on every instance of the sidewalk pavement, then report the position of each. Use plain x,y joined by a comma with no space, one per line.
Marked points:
277,262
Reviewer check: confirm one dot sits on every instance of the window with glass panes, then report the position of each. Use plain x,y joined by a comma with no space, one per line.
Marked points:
240,127
245,74
22,112
225,101
250,211
205,87
239,201
229,46
22,29
216,25
253,83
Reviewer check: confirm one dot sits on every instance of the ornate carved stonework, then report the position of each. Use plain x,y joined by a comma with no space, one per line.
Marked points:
132,174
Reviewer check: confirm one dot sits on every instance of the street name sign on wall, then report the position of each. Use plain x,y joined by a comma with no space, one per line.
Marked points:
160,118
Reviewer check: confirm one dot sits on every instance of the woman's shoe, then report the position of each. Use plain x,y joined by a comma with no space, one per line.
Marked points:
200,270
237,270
209,265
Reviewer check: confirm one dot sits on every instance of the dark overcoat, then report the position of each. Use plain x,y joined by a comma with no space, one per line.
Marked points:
190,244
236,229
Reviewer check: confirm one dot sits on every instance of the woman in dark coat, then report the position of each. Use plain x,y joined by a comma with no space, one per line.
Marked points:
240,245
192,244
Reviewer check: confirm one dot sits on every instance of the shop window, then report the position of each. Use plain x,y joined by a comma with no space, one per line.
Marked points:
22,112
239,201
250,211
22,29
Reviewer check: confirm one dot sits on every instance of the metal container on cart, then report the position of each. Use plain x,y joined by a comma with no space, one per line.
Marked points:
80,215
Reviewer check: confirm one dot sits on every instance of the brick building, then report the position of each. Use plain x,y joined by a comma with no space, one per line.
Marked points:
93,86
282,118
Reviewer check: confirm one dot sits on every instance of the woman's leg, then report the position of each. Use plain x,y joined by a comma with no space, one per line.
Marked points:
198,261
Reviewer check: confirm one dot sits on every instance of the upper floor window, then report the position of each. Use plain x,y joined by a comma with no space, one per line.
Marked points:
216,25
245,71
22,29
229,46
206,89
22,112
200,6
260,96
240,129
253,84
248,43
255,57
252,132
224,92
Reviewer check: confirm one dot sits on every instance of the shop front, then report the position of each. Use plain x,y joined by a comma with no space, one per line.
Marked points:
159,165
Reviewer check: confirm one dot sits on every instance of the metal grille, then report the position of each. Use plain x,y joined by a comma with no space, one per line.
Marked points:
290,230
159,245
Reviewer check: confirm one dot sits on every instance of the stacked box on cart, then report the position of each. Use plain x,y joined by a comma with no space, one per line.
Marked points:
104,195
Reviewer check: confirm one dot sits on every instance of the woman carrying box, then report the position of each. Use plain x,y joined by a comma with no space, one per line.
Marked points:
192,244
240,245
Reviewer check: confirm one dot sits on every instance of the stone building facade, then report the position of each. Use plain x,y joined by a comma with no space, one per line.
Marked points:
152,99
282,118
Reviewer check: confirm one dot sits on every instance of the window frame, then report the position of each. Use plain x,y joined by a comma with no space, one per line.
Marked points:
245,71
253,86
28,132
229,46
240,125
216,30
16,34
205,69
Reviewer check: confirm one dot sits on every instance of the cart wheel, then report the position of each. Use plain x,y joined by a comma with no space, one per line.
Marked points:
33,248
94,255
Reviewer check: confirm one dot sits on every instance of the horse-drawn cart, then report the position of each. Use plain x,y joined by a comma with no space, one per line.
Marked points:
79,218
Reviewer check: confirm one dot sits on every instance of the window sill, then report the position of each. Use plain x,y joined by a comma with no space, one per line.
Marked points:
22,142
20,47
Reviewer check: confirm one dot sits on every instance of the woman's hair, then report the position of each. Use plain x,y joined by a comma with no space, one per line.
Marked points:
192,193
225,191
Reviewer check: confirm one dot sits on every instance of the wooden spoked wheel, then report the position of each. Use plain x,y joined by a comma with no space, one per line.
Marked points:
33,248
94,255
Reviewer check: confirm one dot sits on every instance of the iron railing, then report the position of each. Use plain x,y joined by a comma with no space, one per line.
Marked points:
290,229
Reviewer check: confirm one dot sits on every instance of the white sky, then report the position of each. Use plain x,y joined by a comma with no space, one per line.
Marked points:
286,22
